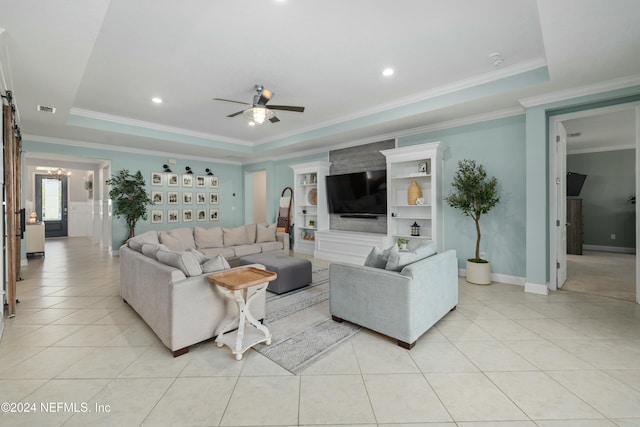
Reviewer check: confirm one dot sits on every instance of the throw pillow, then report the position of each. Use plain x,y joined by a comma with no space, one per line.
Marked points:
235,236
217,263
186,236
151,249
199,255
172,241
185,261
398,260
136,242
208,237
378,258
266,233
251,232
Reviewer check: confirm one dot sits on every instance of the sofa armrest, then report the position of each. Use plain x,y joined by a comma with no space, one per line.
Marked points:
284,238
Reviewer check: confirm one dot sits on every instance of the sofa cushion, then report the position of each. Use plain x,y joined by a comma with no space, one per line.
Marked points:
378,258
398,260
251,232
208,237
172,241
266,233
150,249
235,236
212,252
243,250
136,242
185,261
217,263
271,246
186,235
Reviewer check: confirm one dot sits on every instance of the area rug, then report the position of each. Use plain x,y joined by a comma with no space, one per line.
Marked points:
301,326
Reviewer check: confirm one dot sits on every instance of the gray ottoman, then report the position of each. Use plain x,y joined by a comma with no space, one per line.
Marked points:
293,273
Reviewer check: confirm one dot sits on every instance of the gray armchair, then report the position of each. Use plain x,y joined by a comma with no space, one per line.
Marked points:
402,305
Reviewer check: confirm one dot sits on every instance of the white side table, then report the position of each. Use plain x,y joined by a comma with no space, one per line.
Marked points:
235,284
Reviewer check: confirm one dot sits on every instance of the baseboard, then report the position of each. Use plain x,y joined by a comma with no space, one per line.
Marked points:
499,278
536,288
616,249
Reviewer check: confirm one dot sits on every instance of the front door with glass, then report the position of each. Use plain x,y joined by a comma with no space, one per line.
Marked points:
51,204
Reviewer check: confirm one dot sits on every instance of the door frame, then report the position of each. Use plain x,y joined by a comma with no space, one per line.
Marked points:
553,197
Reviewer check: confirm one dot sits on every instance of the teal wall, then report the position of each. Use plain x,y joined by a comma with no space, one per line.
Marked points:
231,208
605,207
499,145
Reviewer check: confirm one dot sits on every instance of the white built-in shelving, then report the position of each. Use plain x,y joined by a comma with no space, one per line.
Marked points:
309,204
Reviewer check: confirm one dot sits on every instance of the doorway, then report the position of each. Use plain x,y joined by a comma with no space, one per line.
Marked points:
615,128
51,204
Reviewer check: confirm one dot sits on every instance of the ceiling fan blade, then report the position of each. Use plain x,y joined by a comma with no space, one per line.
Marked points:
274,119
230,100
286,108
236,113
265,96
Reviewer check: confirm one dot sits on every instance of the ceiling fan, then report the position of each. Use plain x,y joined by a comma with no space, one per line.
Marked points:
259,111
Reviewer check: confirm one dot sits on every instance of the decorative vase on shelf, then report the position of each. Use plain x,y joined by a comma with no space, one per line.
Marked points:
413,193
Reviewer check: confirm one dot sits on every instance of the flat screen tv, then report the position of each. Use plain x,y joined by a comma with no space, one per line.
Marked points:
575,181
360,194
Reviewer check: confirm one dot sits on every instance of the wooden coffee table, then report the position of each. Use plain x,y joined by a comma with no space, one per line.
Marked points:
236,284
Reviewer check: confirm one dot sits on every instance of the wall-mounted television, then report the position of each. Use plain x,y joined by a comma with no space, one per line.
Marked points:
359,194
575,181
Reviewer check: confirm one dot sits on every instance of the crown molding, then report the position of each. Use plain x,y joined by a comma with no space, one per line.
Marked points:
98,146
493,76
593,89
89,114
601,149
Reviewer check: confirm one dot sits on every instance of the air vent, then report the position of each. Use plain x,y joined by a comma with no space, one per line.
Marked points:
46,109
574,134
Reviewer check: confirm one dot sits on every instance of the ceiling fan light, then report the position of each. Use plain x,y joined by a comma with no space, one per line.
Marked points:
259,114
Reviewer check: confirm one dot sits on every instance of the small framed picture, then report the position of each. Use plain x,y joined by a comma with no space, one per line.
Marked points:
201,181
156,178
172,197
157,216
213,198
213,182
172,180
187,198
172,216
424,167
213,214
187,215
187,180
157,197
201,215
201,198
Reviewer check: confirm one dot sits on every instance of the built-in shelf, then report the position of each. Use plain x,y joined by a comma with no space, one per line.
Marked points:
309,186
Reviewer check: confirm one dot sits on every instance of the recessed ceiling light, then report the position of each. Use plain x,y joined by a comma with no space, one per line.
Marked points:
156,100
252,124
387,72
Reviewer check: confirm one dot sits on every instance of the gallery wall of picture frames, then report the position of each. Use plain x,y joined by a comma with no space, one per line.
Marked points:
187,198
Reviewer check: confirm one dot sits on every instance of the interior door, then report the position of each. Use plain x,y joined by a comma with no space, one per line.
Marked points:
51,204
561,205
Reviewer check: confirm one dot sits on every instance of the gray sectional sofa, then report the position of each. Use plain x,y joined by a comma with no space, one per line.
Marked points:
173,295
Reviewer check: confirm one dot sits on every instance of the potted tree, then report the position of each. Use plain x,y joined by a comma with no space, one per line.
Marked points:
130,198
474,194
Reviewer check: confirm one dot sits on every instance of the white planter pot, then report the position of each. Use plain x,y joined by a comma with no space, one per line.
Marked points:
479,273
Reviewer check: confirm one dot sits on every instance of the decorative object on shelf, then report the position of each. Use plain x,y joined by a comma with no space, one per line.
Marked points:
130,198
166,168
312,223
208,171
402,243
422,167
415,229
474,194
312,197
313,179
420,201
413,193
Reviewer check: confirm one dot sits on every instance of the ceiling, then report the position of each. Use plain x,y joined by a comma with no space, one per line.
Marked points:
100,62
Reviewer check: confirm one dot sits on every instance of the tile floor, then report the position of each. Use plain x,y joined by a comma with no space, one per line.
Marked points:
503,358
